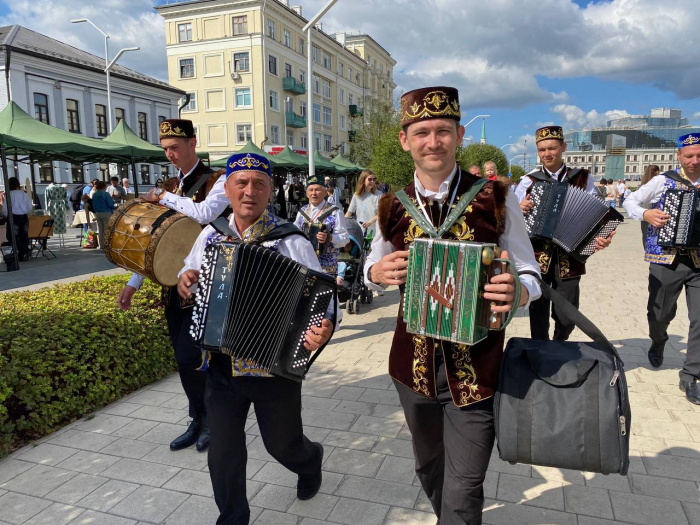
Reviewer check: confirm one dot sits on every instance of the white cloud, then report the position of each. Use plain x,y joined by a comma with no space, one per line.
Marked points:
573,117
495,52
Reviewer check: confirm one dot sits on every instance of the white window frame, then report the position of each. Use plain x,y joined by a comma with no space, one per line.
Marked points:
287,38
318,141
341,122
216,144
272,134
301,46
233,24
193,98
233,61
341,96
271,29
326,87
204,65
302,108
327,116
251,131
274,95
206,101
191,32
194,67
196,134
304,141
327,141
277,65
290,135
320,113
235,97
302,76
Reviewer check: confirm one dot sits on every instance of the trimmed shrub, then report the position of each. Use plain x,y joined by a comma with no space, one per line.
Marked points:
68,350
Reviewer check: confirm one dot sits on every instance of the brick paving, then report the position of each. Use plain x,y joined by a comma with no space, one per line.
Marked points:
114,467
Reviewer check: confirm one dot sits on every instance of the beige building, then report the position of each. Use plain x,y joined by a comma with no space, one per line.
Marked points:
246,73
634,161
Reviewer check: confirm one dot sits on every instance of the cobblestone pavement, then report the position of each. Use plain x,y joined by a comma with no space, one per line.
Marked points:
116,469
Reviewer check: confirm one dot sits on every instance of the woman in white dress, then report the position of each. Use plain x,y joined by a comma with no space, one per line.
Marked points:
365,202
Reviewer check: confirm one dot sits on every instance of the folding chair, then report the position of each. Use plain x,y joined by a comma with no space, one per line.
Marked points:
40,242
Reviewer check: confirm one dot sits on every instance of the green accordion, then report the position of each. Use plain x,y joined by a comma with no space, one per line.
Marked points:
444,290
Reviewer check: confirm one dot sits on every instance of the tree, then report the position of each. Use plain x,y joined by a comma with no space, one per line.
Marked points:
480,153
390,163
379,117
517,172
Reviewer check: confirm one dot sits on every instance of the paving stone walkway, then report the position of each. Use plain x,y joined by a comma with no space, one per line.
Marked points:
115,467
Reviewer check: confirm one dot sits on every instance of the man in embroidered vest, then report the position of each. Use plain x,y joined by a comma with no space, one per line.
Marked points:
446,390
232,384
671,269
558,269
201,197
325,223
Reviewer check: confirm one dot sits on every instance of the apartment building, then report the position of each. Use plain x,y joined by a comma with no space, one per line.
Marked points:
244,66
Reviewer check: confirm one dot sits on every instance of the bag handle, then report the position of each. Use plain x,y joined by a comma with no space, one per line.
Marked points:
574,384
576,317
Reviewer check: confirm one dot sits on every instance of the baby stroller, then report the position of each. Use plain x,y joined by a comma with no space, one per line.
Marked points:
351,262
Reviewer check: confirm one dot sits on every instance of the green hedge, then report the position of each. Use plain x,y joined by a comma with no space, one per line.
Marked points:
69,350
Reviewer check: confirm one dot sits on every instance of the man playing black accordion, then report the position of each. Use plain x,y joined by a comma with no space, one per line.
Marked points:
446,389
558,268
324,224
234,384
673,267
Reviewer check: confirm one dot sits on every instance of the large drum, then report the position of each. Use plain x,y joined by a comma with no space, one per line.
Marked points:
150,239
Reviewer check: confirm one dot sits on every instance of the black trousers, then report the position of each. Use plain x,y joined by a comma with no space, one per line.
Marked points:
540,309
277,403
21,223
665,285
452,447
187,355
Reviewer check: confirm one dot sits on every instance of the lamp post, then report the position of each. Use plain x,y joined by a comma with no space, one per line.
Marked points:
478,116
308,28
510,162
108,65
504,145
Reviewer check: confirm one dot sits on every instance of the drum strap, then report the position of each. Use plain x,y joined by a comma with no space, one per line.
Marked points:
425,225
200,182
161,219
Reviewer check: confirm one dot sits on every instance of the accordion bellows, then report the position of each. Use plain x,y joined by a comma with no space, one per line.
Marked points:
569,216
256,305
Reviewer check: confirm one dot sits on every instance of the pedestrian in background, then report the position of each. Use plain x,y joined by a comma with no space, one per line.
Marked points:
365,201
610,194
102,205
621,188
21,206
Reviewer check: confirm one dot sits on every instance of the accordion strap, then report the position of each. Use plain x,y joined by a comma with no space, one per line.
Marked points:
220,224
200,182
673,175
425,225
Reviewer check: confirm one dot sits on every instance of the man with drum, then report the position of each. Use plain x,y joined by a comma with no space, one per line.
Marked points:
671,269
201,197
234,384
558,269
446,390
333,236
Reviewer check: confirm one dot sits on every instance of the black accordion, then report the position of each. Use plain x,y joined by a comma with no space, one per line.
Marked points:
256,305
570,217
682,230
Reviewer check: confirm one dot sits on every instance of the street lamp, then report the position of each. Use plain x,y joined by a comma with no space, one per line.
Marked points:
108,65
308,28
478,116
504,145
510,162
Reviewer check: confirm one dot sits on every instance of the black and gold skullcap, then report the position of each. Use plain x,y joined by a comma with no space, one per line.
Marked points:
176,128
429,103
549,133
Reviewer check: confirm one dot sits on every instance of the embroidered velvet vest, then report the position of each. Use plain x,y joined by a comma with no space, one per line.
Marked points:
472,371
654,253
328,260
546,251
200,171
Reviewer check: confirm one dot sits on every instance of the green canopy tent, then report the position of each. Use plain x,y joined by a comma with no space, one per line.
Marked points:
248,148
23,135
290,159
345,165
323,164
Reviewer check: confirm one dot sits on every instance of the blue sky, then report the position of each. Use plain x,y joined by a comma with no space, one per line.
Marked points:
524,62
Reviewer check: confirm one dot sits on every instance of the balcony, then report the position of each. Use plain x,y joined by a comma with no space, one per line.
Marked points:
351,136
355,111
292,85
293,120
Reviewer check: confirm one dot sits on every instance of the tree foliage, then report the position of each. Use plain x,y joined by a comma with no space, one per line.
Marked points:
517,173
480,153
390,162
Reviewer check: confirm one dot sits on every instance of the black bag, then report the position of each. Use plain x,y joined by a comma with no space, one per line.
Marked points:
77,194
563,404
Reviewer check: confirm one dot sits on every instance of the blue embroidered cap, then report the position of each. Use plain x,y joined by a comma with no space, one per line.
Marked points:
691,139
248,162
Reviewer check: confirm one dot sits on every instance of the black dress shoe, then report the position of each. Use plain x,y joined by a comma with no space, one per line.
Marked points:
692,390
308,486
656,355
189,438
203,439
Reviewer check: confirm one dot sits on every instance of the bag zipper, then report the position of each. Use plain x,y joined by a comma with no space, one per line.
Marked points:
623,426
615,377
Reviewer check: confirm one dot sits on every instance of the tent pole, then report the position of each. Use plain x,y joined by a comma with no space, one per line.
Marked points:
37,202
136,182
10,219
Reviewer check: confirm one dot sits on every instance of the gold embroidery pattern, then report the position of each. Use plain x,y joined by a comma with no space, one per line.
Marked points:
167,130
436,104
549,133
461,230
420,359
543,260
689,141
467,385
564,267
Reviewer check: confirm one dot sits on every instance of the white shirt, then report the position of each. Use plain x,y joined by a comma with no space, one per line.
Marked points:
365,206
296,247
649,193
514,240
21,204
526,182
339,234
621,188
203,212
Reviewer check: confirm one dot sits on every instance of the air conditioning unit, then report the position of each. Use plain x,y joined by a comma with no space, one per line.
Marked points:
235,75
